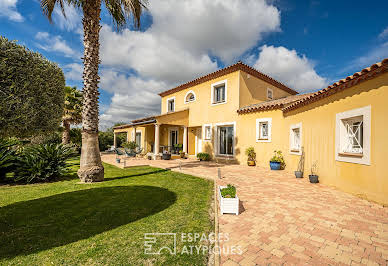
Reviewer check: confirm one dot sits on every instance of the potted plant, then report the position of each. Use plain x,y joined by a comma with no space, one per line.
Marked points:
182,154
130,145
277,161
203,156
177,148
299,172
166,155
229,202
314,177
250,152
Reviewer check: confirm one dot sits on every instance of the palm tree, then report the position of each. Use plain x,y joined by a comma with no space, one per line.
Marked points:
71,112
91,169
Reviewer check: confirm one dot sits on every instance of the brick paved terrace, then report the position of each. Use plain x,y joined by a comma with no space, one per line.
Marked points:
284,220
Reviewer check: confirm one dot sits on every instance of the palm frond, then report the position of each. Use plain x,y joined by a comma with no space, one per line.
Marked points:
122,10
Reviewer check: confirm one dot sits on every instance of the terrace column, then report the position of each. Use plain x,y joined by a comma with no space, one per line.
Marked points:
185,140
114,140
134,134
156,148
128,136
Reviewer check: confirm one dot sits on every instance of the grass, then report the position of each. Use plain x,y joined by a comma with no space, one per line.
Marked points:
104,223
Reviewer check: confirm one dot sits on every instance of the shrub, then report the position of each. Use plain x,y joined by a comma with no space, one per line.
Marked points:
250,152
228,192
278,157
203,156
7,156
131,145
32,92
42,163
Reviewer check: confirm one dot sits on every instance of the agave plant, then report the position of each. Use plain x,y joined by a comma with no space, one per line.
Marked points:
7,156
44,162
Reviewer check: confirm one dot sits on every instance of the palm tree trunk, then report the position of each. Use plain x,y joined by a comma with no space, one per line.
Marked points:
91,169
66,132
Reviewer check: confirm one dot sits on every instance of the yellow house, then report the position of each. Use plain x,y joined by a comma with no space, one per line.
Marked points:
342,128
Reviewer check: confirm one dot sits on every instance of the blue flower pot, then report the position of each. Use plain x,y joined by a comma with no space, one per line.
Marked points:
274,165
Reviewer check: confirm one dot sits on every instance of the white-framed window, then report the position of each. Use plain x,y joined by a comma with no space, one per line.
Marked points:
296,139
219,92
263,129
138,139
171,104
225,139
207,132
352,136
269,94
190,97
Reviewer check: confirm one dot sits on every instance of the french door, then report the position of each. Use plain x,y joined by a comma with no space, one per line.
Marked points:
225,140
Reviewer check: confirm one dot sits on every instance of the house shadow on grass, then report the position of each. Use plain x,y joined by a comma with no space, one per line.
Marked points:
36,225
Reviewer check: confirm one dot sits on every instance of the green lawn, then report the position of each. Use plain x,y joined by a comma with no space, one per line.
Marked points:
104,223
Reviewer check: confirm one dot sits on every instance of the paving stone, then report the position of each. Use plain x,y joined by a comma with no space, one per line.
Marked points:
288,221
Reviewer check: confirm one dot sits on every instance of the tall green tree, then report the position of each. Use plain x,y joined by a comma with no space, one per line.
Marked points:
32,91
91,168
71,111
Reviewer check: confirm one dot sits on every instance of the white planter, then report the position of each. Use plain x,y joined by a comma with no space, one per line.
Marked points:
228,205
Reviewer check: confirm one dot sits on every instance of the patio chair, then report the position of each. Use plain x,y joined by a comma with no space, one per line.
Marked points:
130,153
119,152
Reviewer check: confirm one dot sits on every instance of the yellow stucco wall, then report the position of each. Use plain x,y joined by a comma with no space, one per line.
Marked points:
318,138
129,134
201,110
254,90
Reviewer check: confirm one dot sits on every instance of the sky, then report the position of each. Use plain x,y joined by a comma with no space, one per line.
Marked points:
307,45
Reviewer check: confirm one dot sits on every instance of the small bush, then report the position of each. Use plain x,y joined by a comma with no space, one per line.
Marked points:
7,156
42,163
278,157
131,145
203,156
228,192
250,152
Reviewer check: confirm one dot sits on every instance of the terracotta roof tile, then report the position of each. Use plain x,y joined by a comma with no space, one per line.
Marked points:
350,81
225,71
273,104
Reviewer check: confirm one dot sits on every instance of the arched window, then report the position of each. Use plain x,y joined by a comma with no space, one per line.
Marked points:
190,97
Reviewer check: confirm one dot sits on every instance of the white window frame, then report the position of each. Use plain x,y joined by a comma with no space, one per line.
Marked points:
270,90
204,132
216,126
141,138
292,150
225,82
168,100
259,121
187,94
340,129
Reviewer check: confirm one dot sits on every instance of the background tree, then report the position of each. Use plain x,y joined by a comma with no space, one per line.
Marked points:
71,111
91,168
31,92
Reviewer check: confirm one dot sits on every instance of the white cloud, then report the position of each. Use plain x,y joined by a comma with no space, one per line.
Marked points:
384,33
226,28
73,71
8,9
375,55
290,68
133,97
72,21
179,46
54,44
152,56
